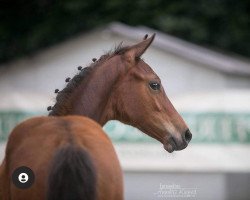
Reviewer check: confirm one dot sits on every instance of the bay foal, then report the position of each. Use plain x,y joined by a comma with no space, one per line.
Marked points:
71,156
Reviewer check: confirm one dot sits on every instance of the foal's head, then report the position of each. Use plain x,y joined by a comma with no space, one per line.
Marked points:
121,86
139,99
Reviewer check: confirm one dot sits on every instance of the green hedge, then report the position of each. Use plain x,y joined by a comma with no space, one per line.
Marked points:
29,25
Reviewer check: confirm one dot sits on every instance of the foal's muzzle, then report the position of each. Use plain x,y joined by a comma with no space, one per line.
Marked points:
175,143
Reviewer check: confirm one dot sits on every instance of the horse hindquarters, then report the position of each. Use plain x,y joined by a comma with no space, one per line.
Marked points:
62,150
1,184
72,175
1,180
4,190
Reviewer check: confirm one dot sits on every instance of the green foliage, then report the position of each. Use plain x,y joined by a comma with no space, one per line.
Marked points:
29,25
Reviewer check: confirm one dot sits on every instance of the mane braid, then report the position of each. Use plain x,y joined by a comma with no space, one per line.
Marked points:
62,104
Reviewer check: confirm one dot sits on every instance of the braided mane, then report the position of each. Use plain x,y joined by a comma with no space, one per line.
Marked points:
63,96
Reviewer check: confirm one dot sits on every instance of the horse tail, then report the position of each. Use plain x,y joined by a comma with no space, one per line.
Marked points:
72,175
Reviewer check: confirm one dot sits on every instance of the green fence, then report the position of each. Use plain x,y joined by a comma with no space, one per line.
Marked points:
206,127
9,119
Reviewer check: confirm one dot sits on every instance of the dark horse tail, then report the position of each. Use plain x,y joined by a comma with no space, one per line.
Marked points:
72,175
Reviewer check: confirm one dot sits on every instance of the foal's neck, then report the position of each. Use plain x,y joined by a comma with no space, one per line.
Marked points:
92,100
92,97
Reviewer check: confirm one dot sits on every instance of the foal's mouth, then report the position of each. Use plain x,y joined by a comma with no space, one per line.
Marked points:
170,146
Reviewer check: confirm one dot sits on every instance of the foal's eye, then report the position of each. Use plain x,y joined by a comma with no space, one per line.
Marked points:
154,85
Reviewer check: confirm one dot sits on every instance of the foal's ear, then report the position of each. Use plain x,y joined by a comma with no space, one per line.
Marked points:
137,50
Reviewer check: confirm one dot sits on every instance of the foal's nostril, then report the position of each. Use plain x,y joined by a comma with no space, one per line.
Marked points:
188,136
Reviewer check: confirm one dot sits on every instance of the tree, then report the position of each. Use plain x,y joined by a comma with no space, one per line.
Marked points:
29,25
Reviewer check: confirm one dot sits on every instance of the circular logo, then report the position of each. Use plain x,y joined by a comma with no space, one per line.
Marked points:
23,177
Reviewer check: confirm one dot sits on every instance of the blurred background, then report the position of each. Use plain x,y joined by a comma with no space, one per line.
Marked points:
201,53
